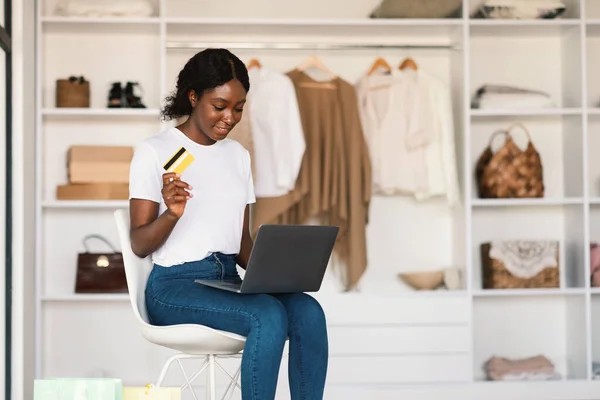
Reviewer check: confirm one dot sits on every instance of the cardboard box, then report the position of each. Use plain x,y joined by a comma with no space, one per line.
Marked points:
93,191
99,164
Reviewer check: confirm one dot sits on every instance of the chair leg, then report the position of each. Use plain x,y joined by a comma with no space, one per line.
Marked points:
211,386
232,385
164,370
188,381
209,362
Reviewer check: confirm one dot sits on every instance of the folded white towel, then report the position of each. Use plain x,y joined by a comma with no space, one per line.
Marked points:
518,9
106,8
504,96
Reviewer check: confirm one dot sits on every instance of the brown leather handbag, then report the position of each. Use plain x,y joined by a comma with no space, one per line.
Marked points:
100,272
510,172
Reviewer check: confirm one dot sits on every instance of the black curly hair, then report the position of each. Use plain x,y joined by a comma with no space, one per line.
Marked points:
205,70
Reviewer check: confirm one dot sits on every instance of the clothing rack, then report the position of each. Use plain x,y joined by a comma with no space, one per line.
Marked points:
306,46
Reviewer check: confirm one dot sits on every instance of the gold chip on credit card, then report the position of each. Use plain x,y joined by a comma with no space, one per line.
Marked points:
179,162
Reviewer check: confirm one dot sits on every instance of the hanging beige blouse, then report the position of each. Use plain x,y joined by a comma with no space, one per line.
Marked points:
334,183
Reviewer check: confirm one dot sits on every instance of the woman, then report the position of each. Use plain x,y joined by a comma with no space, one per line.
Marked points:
195,226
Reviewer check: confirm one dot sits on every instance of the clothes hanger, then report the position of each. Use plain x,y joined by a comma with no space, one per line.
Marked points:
379,63
254,63
315,62
408,63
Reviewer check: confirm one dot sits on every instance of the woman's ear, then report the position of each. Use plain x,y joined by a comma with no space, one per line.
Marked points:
192,98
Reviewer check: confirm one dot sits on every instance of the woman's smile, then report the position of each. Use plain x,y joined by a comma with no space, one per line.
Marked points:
222,130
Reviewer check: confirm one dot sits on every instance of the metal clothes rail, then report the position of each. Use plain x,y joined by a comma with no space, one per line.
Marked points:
305,46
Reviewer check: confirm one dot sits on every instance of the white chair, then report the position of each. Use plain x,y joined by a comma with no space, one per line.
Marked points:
190,340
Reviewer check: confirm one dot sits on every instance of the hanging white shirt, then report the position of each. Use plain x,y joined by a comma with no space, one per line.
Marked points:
373,93
408,124
441,152
395,137
277,132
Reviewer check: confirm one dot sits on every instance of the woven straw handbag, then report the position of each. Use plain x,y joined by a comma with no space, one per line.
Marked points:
510,172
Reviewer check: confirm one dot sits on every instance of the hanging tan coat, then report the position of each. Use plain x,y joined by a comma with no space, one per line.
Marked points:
334,183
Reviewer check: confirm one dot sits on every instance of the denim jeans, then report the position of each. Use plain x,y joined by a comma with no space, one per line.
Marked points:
172,297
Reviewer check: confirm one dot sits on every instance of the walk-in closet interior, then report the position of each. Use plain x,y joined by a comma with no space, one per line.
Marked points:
482,265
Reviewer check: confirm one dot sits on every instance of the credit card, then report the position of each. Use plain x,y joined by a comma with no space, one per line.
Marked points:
179,161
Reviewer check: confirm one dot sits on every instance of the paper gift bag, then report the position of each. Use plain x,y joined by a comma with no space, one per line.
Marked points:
151,392
78,389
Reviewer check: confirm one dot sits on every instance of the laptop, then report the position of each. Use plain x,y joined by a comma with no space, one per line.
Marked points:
285,259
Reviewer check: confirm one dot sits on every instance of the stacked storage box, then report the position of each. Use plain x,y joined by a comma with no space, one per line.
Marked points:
97,173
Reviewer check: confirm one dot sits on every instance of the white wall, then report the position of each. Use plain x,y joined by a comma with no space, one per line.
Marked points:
23,329
2,198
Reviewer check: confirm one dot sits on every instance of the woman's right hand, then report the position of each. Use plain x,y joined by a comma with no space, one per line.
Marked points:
175,193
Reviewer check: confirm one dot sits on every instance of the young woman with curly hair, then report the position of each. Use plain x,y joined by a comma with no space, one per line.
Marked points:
195,226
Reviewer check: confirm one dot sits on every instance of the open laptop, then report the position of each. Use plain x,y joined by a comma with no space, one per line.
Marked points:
285,259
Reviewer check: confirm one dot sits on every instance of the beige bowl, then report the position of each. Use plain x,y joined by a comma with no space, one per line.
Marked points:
423,280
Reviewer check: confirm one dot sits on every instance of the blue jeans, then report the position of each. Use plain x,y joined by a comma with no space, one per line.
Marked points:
172,297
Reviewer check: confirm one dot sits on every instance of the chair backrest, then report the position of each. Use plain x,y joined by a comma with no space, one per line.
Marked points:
137,269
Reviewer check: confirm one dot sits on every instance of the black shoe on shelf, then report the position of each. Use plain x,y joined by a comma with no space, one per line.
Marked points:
116,98
132,100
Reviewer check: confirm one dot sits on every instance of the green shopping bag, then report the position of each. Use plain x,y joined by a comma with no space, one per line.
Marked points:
151,392
78,389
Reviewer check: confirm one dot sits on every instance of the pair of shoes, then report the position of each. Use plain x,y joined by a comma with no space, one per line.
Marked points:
119,97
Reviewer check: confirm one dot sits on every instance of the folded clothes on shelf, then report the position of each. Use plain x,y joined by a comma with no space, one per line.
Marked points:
503,96
106,8
595,370
595,264
518,9
537,368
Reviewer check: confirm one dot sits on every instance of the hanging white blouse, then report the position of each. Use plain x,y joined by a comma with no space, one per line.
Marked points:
277,132
374,95
395,140
408,125
441,152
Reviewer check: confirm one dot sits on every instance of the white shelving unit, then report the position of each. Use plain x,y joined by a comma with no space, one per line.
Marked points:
385,339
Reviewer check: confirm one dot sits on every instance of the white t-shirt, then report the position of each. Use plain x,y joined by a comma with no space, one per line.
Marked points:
221,181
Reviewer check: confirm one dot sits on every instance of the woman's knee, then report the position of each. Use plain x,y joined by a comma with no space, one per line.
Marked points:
270,316
303,307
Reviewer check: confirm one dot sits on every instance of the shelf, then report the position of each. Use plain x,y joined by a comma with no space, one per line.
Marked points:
595,327
98,20
593,27
559,144
290,22
118,297
525,22
102,112
564,225
523,112
554,327
310,29
539,202
412,293
85,204
529,292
